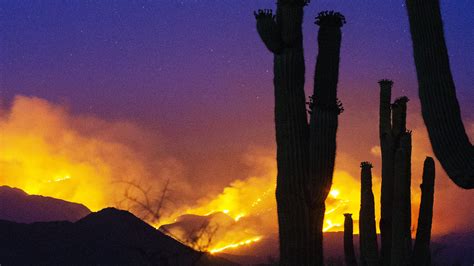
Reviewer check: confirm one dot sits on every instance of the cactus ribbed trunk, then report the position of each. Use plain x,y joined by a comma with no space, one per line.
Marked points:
297,240
387,145
349,254
401,222
367,230
421,251
437,92
305,154
325,108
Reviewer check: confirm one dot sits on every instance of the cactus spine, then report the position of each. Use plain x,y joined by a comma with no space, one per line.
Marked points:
437,92
367,232
421,251
349,253
305,152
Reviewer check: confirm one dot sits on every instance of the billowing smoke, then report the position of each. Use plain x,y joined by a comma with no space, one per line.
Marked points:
46,150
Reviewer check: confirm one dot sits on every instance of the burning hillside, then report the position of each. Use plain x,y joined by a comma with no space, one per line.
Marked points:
46,150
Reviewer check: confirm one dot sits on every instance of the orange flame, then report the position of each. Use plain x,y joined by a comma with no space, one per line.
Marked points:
236,245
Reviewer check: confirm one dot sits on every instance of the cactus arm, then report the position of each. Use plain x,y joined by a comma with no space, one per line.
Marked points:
324,122
268,30
325,109
421,251
349,254
387,146
437,93
327,62
367,232
401,221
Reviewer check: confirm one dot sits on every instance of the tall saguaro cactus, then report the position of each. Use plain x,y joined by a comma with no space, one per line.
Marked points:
367,230
387,145
437,92
349,253
305,152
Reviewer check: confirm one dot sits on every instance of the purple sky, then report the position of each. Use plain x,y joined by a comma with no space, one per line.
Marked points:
196,72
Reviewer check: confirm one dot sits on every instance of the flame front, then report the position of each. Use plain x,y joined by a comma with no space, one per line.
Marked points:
251,205
236,245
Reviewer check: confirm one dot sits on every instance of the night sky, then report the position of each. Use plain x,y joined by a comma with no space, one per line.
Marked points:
196,73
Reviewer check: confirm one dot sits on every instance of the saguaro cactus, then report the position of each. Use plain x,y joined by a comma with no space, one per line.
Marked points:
395,223
387,145
324,118
349,253
392,126
305,152
401,223
437,92
367,232
421,251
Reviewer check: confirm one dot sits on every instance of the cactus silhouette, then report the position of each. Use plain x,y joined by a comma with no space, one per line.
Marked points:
421,251
395,223
392,125
305,151
401,222
437,92
367,231
387,146
349,254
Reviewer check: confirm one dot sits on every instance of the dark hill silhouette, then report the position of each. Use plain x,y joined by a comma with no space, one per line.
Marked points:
17,206
110,237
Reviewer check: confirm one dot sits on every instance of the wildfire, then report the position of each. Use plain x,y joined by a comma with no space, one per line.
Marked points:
330,225
76,159
236,245
59,178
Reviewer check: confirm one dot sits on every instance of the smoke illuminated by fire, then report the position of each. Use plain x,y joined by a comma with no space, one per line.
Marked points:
46,150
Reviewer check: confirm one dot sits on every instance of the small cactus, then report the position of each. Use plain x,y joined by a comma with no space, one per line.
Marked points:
349,253
421,251
367,231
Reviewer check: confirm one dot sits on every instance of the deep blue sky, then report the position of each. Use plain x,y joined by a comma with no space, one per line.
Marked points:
196,70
